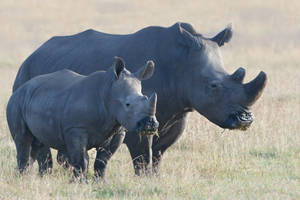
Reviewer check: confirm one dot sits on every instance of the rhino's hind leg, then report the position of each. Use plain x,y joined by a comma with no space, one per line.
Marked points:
106,152
23,139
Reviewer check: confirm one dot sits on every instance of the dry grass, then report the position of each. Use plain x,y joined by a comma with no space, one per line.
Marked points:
261,163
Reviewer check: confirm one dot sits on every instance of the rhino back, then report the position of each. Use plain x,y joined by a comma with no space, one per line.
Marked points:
91,50
55,103
83,53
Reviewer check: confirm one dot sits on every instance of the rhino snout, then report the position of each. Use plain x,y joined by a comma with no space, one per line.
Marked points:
148,125
239,120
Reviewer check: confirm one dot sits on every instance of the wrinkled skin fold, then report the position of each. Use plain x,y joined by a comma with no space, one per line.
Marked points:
190,75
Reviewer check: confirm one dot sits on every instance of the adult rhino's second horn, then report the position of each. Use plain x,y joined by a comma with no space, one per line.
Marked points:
255,87
239,75
152,103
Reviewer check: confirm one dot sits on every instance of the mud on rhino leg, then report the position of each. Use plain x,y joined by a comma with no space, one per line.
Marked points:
163,142
141,152
106,152
76,142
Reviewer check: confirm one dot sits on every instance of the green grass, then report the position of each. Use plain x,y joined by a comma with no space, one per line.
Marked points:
205,163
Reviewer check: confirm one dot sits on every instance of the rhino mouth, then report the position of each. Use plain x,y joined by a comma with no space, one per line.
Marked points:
241,120
148,126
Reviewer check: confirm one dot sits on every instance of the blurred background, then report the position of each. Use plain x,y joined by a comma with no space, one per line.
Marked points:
27,24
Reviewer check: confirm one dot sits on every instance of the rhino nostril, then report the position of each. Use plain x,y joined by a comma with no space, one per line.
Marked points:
148,126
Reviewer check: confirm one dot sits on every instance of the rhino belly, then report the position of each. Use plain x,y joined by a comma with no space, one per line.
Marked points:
46,131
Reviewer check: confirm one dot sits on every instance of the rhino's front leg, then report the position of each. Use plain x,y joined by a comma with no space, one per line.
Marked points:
76,142
105,153
140,151
165,140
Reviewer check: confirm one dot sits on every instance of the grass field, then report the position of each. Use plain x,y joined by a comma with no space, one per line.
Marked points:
206,163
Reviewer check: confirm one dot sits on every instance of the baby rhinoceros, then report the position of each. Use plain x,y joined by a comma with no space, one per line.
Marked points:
74,113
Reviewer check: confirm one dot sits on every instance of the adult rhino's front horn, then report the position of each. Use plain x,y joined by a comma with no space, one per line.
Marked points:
255,87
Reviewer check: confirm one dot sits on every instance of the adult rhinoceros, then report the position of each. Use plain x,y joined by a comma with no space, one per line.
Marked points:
74,113
189,76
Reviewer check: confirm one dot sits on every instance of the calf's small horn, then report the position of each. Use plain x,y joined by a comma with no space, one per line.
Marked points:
152,103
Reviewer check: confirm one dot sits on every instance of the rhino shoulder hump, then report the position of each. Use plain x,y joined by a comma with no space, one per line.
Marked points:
85,33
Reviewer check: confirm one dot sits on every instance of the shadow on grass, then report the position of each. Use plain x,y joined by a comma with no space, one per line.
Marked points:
266,154
107,192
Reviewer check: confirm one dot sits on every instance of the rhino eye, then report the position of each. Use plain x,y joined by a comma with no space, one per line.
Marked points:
127,104
213,85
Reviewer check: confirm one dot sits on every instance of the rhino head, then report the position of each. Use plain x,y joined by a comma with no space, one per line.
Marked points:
221,97
132,109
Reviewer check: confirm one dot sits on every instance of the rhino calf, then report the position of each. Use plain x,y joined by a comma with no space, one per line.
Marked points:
74,113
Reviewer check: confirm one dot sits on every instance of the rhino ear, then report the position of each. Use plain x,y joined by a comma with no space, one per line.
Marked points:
224,36
187,38
118,66
145,72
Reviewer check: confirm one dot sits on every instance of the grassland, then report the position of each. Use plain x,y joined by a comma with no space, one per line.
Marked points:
206,163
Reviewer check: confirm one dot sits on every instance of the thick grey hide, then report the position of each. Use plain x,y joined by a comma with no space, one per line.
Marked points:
74,113
189,76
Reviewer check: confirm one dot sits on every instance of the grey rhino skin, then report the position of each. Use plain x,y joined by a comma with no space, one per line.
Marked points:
74,113
189,76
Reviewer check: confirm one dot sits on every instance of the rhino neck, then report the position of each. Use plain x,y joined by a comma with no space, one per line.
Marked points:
97,88
172,99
